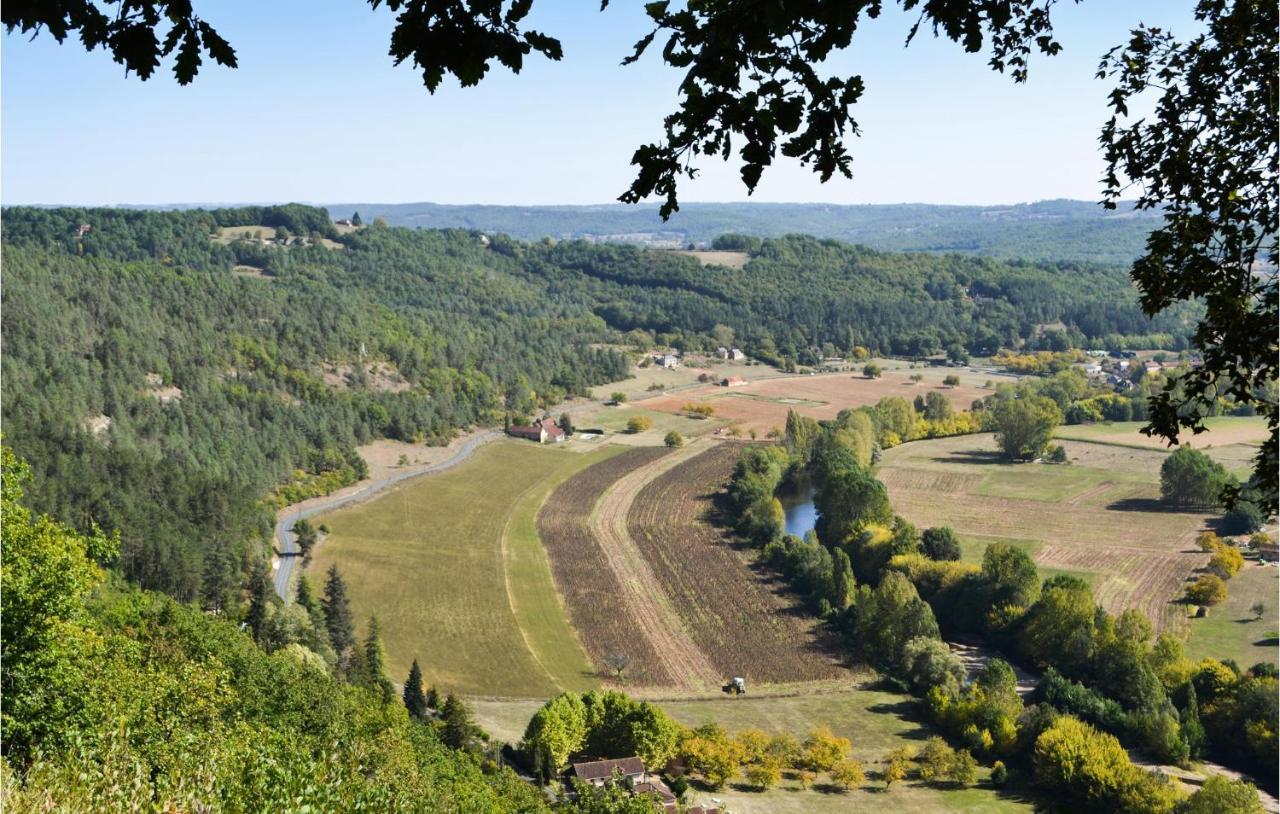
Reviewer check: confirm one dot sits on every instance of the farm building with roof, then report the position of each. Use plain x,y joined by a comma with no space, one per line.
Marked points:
544,431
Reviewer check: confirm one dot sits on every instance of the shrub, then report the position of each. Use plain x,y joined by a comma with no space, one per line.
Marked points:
1226,561
1208,589
999,774
940,543
638,423
673,439
1056,454
1244,518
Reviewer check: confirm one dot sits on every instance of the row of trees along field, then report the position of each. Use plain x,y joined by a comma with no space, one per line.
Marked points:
893,591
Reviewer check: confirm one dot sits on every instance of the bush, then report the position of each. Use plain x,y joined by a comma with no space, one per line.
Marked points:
1244,518
638,423
673,439
999,774
1208,589
940,543
871,371
1056,454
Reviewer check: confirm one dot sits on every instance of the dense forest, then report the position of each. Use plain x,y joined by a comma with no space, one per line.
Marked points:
171,387
1045,230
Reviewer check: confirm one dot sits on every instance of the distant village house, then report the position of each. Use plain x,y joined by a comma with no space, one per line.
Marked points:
732,381
667,360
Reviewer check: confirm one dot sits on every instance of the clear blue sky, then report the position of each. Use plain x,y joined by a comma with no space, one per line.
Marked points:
316,112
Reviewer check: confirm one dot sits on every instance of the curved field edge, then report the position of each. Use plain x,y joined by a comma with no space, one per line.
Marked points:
745,621
537,606
428,558
614,603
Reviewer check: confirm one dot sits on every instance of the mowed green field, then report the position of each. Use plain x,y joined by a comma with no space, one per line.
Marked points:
452,566
1099,518
875,721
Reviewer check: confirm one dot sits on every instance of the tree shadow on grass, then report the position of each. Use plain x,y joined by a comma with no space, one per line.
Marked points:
972,456
1144,504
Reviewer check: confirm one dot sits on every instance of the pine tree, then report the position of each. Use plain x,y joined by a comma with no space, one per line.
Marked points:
457,723
374,670
337,616
433,697
415,700
356,221
260,591
306,599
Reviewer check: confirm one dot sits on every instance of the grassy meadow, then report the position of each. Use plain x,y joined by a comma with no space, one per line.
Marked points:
874,720
1098,518
453,568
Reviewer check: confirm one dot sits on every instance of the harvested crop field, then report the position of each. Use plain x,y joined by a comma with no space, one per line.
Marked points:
747,623
647,576
763,405
1100,515
594,594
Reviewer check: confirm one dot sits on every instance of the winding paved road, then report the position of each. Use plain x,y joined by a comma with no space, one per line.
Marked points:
289,515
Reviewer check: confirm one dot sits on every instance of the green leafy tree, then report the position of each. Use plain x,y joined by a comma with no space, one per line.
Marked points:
1192,479
940,543
764,775
356,220
45,573
847,773
1024,425
871,370
935,759
1207,589
673,439
415,698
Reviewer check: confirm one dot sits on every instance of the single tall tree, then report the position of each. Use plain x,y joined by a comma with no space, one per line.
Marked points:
260,597
415,697
457,723
337,616
374,667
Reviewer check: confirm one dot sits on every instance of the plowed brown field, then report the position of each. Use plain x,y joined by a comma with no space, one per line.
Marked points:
747,624
592,592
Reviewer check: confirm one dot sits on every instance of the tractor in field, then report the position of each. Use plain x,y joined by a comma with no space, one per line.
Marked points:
735,686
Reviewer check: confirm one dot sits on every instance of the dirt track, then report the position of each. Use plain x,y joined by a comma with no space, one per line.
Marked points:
678,657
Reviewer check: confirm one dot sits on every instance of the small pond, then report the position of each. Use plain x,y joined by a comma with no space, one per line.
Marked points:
798,509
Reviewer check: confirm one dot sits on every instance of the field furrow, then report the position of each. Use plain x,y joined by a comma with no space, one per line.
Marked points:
747,623
592,590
